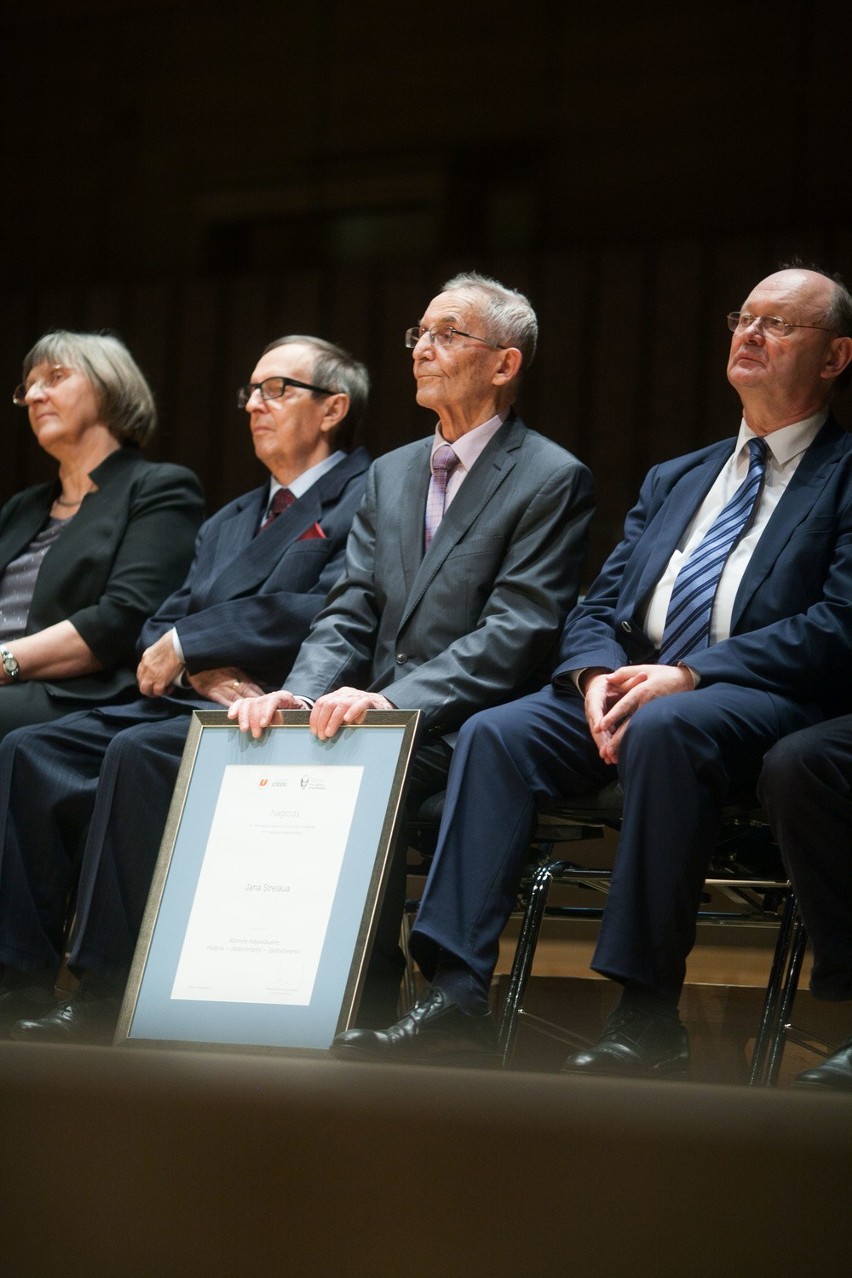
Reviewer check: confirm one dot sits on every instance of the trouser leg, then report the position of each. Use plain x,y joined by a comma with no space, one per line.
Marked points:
48,780
428,775
508,762
806,788
134,793
680,756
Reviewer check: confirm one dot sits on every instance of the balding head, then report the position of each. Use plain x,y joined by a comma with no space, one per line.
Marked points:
787,352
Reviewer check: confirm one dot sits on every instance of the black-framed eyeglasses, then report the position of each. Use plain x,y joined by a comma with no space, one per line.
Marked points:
443,335
52,378
274,388
739,321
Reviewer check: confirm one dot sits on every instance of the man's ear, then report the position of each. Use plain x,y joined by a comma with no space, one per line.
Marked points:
839,356
335,409
509,366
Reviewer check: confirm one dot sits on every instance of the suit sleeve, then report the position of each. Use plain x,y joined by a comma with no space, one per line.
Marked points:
264,633
805,654
589,637
339,650
164,512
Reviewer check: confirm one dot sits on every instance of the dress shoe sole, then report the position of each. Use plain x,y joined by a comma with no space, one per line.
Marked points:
645,1076
823,1085
473,1058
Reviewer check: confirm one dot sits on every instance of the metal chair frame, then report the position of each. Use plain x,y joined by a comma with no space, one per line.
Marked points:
761,900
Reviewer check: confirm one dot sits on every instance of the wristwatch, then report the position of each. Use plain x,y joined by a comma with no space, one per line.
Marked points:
10,665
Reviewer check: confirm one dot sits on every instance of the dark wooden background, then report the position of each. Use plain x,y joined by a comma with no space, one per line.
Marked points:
203,177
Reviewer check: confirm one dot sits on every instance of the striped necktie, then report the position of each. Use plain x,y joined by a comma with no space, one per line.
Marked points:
687,627
444,463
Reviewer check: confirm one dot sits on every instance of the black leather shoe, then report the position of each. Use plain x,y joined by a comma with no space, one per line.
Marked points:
22,1000
834,1073
436,1031
90,1015
636,1045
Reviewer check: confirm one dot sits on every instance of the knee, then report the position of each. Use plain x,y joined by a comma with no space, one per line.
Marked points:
791,766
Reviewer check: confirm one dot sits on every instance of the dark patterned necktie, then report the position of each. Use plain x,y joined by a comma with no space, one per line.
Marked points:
687,627
282,499
444,463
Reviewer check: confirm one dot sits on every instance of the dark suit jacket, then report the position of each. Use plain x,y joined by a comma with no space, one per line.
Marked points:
248,600
128,545
792,619
474,620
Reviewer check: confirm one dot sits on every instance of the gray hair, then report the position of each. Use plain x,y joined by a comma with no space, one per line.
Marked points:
338,371
508,317
125,400
838,314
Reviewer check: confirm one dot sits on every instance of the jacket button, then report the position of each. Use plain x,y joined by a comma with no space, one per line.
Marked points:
401,658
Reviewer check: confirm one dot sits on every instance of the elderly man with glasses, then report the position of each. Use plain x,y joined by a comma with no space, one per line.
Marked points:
720,623
462,562
97,785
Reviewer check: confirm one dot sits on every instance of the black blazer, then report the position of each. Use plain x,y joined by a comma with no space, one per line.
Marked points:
129,544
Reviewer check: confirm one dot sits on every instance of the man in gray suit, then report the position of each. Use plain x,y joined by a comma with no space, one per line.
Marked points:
462,562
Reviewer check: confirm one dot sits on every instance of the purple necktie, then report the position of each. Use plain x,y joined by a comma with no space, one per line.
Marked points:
444,462
282,499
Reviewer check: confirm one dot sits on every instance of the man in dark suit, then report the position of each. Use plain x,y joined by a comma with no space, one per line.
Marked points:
806,789
457,580
708,635
262,568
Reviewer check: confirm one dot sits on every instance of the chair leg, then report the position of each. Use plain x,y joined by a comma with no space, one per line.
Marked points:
780,992
800,941
769,1016
523,961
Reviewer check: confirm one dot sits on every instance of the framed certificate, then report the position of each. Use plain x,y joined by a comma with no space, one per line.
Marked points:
268,884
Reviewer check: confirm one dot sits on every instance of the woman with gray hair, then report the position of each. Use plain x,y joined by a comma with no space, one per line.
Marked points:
86,559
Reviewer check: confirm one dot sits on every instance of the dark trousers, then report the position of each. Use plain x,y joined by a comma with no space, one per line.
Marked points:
85,798
680,757
806,788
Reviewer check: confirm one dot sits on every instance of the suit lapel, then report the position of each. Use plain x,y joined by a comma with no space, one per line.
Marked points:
414,485
28,521
667,527
252,555
795,506
490,470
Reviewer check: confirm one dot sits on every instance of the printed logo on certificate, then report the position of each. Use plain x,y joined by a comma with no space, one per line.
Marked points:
263,899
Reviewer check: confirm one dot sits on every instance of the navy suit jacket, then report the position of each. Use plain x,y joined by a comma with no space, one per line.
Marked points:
791,629
475,620
248,600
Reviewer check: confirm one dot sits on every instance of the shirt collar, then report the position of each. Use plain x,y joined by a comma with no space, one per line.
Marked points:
308,478
789,441
468,446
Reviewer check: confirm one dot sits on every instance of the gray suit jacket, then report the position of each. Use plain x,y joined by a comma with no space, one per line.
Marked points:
475,620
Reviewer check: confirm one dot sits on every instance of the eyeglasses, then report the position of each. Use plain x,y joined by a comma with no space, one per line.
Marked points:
50,380
274,388
443,335
739,321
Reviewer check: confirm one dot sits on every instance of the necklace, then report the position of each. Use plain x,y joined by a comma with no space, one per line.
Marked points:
59,502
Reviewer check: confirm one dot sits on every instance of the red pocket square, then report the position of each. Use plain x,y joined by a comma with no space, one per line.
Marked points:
312,533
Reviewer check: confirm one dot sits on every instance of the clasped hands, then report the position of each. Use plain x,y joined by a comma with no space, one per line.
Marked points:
160,668
334,710
613,697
